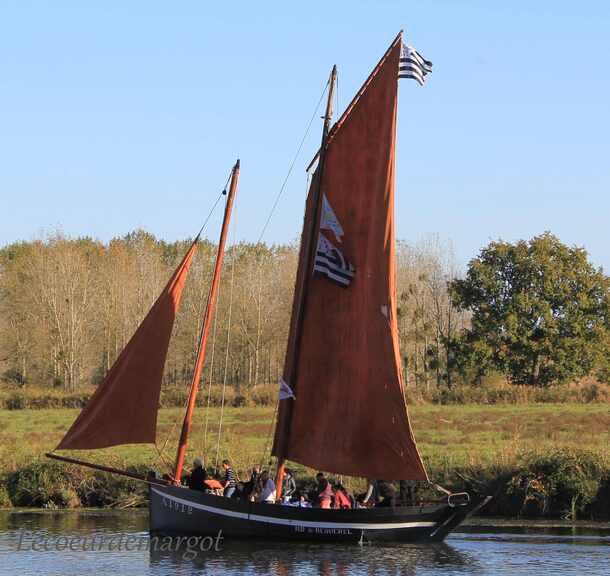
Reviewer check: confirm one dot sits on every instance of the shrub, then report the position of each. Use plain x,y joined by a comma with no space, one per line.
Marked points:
42,485
54,485
564,483
13,376
600,507
15,401
5,500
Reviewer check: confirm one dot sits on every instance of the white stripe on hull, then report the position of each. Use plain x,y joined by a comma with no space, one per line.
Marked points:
291,522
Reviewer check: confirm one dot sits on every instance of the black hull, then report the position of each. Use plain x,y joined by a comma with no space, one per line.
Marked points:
177,510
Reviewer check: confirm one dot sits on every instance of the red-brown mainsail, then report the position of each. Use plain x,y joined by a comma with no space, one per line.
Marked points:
123,409
349,416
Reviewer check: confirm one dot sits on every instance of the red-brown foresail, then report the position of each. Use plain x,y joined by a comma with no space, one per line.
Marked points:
123,409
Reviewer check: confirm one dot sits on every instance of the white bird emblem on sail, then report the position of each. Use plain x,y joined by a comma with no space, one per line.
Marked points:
329,221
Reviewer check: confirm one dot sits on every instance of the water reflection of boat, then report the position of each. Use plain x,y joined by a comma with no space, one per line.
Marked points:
342,405
239,557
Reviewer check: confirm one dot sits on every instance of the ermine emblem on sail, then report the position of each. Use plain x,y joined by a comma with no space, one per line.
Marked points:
331,262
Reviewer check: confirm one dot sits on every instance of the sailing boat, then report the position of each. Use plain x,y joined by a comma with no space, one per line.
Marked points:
342,407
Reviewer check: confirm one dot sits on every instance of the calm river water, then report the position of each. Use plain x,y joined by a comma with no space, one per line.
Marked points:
117,543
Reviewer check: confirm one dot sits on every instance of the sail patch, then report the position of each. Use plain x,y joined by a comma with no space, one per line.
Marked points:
331,262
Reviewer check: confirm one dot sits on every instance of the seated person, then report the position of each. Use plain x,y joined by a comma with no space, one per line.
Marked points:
303,502
300,501
267,489
408,488
324,491
198,476
240,491
251,485
342,498
387,493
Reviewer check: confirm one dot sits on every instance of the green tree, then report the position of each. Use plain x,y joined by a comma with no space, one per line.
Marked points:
539,311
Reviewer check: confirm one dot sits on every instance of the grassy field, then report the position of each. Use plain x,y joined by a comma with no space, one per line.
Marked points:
448,436
538,460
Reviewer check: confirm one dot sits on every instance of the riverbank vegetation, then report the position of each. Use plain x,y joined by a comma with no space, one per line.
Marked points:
537,460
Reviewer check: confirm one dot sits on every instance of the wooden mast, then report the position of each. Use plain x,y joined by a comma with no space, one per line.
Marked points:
309,259
205,329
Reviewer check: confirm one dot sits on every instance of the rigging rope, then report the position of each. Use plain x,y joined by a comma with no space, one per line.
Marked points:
268,439
283,187
211,375
337,90
230,311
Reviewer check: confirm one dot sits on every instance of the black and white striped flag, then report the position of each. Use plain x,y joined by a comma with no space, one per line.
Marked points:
412,65
330,262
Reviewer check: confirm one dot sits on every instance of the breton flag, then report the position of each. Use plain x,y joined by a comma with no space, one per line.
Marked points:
413,65
285,390
329,221
330,262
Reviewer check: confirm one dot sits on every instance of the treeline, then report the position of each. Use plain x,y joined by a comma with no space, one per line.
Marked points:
68,307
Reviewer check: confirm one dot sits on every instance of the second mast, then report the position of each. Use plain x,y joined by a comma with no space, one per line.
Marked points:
205,329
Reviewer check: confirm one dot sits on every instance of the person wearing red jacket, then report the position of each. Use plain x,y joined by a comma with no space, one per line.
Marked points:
324,491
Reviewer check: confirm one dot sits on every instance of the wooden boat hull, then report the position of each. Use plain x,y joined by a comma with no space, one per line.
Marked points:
178,510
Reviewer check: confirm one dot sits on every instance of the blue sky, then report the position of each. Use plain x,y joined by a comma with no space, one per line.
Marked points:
118,115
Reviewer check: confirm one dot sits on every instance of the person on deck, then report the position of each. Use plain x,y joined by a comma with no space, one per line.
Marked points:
267,489
372,494
324,491
407,492
387,493
289,486
342,498
251,485
230,481
198,476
